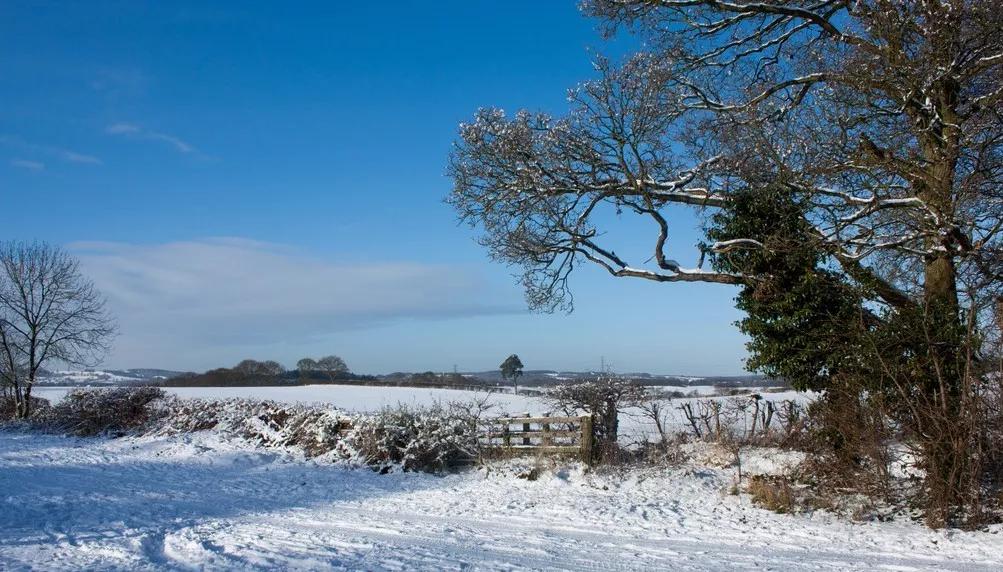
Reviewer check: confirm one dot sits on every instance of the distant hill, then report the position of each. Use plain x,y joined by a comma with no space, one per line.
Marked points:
547,377
142,376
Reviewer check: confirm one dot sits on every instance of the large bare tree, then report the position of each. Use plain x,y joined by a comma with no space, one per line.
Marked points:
49,312
883,116
879,119
332,365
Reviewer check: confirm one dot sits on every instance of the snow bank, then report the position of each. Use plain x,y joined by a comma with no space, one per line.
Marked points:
199,501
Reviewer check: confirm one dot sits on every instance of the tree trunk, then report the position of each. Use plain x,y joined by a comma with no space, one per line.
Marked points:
941,285
20,405
944,458
27,402
941,149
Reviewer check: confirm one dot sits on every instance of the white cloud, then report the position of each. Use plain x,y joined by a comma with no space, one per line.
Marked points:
74,157
50,150
206,302
137,132
29,165
122,129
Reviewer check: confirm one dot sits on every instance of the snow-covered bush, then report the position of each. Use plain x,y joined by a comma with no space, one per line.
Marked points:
108,410
313,430
430,439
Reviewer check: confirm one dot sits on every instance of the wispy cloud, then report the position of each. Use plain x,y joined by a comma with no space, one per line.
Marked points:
74,157
133,131
29,165
60,153
207,301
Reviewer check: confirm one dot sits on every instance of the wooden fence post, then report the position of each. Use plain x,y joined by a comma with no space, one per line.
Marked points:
525,428
586,428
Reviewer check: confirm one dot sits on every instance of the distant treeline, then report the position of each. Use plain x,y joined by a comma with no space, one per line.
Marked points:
226,377
332,370
232,377
432,379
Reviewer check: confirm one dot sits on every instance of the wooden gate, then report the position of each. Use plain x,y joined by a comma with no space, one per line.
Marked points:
539,435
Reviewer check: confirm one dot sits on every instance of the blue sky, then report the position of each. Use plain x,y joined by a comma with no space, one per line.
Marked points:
248,180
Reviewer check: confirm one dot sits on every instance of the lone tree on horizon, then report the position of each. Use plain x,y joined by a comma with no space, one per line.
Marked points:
333,366
511,369
49,312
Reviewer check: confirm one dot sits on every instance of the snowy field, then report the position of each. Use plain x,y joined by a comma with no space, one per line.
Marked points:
200,503
363,397
357,398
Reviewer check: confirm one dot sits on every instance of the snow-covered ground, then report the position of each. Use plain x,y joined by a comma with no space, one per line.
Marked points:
199,502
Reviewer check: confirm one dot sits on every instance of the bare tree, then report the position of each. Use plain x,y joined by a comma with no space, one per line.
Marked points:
272,367
259,368
603,397
879,119
306,365
883,116
332,366
49,312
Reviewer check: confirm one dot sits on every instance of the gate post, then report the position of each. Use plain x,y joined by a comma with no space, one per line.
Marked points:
586,429
525,428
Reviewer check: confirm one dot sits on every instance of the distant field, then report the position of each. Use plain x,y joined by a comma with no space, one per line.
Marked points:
357,398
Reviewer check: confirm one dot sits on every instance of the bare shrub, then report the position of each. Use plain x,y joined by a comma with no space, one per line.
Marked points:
654,405
667,452
604,398
85,412
705,419
750,420
848,436
791,417
928,380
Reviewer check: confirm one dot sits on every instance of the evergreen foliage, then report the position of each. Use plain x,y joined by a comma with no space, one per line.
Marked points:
802,318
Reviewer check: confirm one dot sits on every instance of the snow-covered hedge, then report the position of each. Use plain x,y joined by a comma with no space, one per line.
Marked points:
432,438
313,430
85,412
429,439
